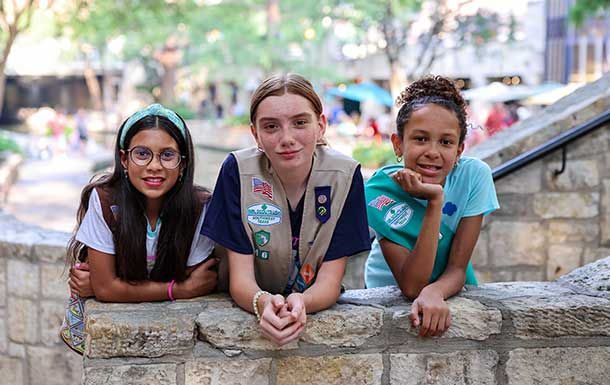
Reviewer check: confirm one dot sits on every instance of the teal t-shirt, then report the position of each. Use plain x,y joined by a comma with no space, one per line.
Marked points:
469,191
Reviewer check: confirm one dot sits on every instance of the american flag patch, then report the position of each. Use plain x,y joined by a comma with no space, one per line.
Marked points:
263,187
381,201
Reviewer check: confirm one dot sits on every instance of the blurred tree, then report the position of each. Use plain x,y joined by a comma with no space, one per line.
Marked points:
15,17
584,8
419,27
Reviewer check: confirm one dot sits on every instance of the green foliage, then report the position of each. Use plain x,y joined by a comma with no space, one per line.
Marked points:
374,155
183,110
585,8
232,121
8,144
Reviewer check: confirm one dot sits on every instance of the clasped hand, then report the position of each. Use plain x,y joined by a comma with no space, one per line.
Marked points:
435,316
283,319
412,182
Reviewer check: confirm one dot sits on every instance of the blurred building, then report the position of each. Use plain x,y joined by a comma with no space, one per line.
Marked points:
575,54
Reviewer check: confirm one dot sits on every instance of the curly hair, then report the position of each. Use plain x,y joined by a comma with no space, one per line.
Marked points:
431,89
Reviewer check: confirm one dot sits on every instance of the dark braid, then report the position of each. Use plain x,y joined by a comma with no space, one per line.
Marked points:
431,89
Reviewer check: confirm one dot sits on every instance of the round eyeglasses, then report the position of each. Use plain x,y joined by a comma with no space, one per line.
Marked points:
142,156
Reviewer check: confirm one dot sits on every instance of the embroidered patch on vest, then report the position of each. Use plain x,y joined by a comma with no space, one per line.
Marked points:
381,201
262,254
307,273
264,214
398,215
449,208
263,187
323,201
261,238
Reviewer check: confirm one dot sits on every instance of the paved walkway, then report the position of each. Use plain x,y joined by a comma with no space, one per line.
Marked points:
47,192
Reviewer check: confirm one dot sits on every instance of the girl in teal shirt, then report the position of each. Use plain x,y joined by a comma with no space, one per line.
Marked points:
427,213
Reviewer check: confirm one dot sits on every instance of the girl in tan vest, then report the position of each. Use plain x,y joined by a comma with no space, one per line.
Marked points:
289,212
138,227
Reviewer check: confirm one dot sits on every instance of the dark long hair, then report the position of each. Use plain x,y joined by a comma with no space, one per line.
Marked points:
180,211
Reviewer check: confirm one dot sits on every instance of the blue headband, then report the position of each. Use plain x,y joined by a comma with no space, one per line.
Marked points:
153,109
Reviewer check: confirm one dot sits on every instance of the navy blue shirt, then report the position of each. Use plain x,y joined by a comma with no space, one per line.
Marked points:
223,222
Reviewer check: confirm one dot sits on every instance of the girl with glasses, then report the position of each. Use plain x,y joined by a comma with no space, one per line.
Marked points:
289,212
138,227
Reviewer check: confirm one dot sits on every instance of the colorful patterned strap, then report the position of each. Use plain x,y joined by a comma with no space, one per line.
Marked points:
72,330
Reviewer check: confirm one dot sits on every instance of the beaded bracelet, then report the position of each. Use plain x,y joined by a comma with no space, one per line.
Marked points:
255,299
170,290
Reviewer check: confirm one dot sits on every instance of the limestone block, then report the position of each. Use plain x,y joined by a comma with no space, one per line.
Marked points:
353,369
562,260
383,296
567,205
343,325
228,372
22,320
144,333
582,366
23,278
562,231
51,317
2,282
52,250
479,254
17,246
595,143
579,174
16,350
159,374
517,243
11,371
505,290
515,206
3,332
548,317
54,282
592,277
604,221
592,254
524,181
54,366
238,329
529,275
469,319
457,368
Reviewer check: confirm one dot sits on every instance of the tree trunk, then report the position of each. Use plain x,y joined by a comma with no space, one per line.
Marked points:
93,85
7,50
398,80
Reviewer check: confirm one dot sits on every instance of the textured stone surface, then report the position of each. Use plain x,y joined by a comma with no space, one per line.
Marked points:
23,278
356,369
238,329
567,205
562,260
11,371
225,372
562,231
517,243
479,254
525,181
529,275
159,374
593,254
54,280
3,331
594,276
575,315
22,320
457,368
505,290
579,174
54,366
151,334
2,282
343,325
51,316
469,319
384,296
570,366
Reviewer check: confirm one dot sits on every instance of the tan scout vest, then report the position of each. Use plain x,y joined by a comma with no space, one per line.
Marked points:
266,217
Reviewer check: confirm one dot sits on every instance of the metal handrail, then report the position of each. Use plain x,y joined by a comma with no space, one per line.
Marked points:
559,141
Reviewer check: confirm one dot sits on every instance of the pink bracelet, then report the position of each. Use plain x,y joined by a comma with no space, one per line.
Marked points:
170,290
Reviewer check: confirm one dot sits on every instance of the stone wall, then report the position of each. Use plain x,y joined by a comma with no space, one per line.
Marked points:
33,292
548,225
502,334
